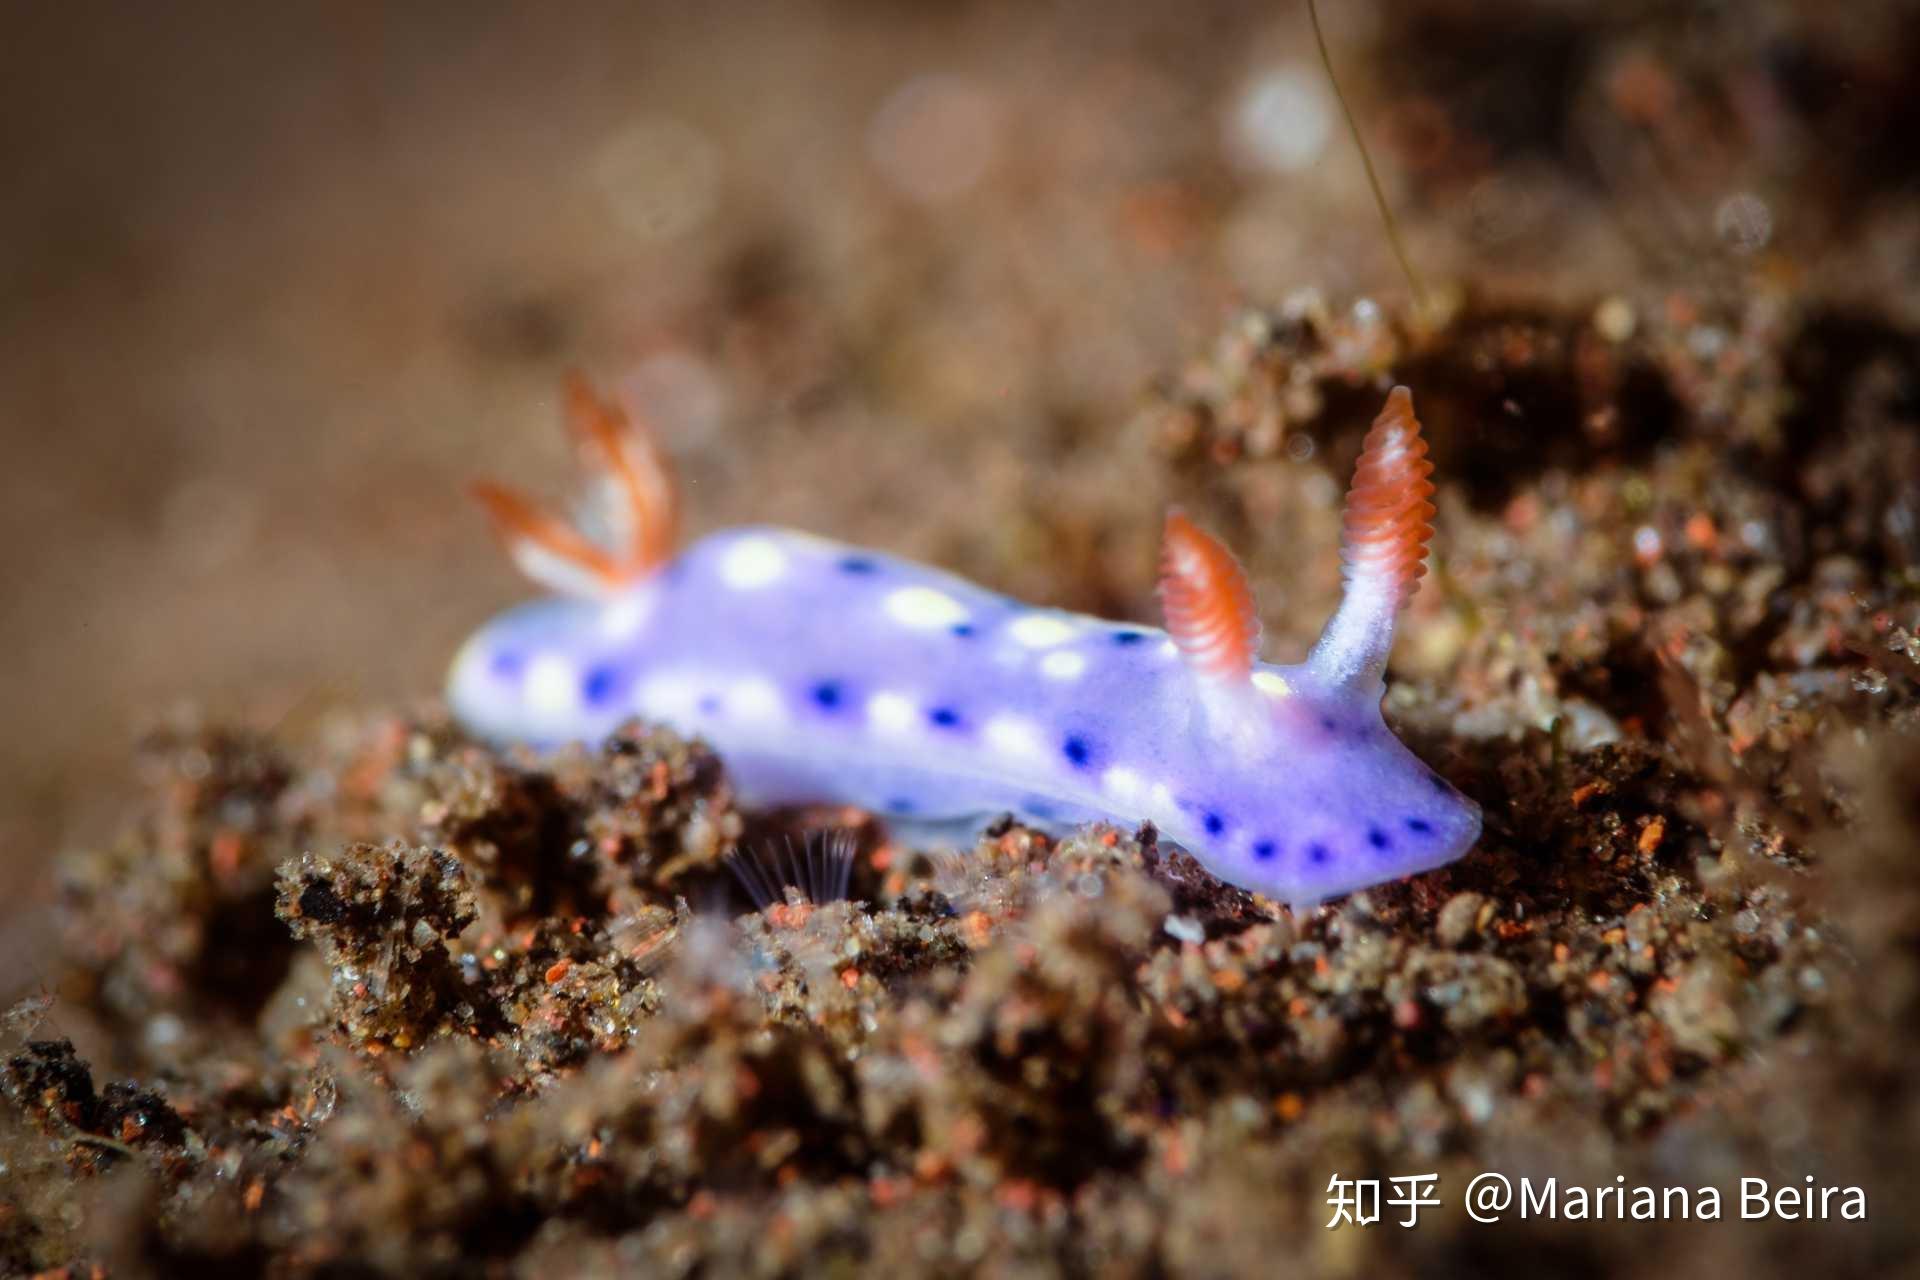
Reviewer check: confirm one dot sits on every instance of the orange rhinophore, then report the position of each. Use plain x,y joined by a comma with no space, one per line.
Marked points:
1384,546
636,501
1385,529
1207,603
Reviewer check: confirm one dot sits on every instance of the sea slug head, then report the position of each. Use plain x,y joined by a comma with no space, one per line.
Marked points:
1313,797
1358,808
1311,794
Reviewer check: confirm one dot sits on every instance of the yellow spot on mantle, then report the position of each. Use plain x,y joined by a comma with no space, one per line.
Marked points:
1272,685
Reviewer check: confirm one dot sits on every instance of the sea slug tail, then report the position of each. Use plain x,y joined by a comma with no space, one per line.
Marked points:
1208,605
1384,545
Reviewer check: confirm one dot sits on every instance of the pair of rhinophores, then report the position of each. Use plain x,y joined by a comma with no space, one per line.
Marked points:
827,673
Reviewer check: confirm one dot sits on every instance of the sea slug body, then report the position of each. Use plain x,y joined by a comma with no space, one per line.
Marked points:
823,672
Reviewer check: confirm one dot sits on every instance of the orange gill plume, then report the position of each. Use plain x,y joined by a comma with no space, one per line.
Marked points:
628,458
557,555
546,548
1208,606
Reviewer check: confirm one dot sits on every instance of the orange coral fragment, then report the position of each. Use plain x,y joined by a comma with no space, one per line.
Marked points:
1208,605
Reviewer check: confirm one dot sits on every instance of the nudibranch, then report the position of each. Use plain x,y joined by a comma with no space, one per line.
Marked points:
827,673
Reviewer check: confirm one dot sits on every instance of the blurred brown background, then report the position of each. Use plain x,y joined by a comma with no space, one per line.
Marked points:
276,280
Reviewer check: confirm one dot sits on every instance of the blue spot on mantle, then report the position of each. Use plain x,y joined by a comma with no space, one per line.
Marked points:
1077,751
599,685
828,694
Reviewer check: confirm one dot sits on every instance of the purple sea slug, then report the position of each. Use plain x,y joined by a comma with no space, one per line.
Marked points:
828,673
